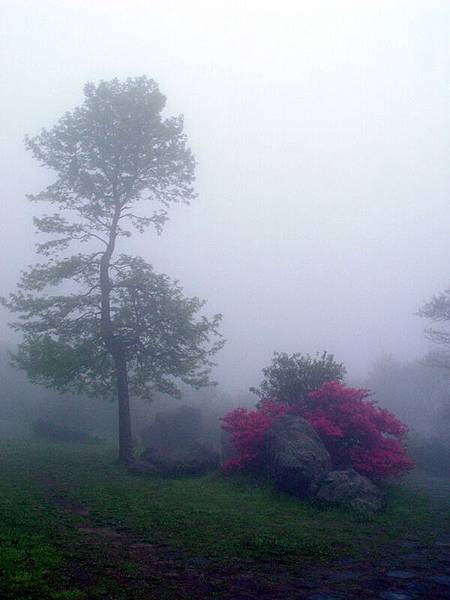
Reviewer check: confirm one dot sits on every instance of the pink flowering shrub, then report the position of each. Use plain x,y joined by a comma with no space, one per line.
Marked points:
247,429
357,433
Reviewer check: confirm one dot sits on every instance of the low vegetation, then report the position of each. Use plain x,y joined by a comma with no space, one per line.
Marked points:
50,494
357,433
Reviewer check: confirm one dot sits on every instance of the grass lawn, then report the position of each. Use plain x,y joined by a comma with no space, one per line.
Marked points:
50,494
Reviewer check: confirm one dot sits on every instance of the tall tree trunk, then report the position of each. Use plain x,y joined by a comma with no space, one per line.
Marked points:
116,349
123,398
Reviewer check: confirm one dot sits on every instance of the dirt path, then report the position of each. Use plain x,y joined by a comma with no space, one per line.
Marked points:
406,571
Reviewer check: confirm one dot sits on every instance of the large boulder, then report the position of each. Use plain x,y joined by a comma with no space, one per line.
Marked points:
142,467
349,490
296,457
181,427
195,460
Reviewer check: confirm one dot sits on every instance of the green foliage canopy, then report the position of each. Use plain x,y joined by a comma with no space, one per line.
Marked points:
438,310
63,347
289,378
89,319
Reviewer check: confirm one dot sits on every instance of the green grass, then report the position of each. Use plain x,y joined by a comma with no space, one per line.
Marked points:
225,519
31,558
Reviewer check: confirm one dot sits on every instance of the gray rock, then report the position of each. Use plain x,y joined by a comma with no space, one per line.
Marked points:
418,557
348,489
416,588
395,595
141,467
345,576
441,579
296,456
193,461
177,428
327,596
401,574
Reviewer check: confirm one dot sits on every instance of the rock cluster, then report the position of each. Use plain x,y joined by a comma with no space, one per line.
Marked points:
348,489
175,444
299,463
194,460
181,427
296,458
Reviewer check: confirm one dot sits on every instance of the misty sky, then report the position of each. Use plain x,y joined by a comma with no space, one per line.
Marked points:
321,131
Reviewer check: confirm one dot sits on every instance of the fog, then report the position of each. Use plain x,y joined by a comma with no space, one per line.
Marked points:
321,132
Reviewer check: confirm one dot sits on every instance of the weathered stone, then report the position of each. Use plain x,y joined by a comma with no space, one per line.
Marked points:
181,427
401,574
193,461
348,489
327,596
141,467
418,588
296,456
345,576
441,579
420,556
395,595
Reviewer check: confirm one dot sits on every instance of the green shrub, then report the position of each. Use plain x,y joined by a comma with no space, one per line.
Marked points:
290,378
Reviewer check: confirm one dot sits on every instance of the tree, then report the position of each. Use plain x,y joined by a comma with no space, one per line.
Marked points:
438,310
412,390
120,324
290,378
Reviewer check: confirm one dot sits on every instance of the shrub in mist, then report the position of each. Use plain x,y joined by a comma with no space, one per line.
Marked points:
290,378
356,431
